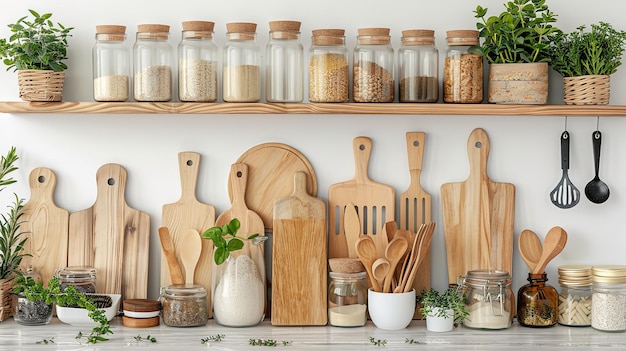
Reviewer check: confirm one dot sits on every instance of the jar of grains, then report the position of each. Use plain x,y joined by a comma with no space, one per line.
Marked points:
328,66
462,70
373,66
608,299
489,299
184,305
111,64
197,63
418,62
284,77
575,295
153,58
83,278
347,299
241,74
537,302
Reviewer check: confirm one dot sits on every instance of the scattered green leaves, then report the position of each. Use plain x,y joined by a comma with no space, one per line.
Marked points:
214,338
225,239
378,342
268,342
149,338
46,341
412,341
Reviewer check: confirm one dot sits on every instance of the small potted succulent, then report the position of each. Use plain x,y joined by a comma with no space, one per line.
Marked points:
443,311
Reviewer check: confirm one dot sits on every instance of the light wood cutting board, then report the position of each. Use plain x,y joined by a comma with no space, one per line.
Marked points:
299,258
189,214
478,216
112,237
46,226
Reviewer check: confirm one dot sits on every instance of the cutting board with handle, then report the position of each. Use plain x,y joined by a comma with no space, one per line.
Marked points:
188,213
112,237
478,216
375,203
299,264
45,225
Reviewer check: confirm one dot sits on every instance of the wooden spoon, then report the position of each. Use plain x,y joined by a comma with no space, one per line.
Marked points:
530,248
391,228
424,246
352,228
380,269
395,251
366,251
410,258
167,244
553,244
190,250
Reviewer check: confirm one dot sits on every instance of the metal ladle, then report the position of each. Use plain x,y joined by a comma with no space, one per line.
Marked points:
596,190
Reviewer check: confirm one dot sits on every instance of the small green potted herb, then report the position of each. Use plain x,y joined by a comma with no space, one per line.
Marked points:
443,311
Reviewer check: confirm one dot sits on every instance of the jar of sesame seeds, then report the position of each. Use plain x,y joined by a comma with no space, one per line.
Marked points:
328,66
197,63
152,66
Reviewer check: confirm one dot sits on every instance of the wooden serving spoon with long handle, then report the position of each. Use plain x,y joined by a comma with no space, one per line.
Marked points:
553,244
530,248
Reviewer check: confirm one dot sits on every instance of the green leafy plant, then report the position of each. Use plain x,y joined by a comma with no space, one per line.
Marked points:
225,239
36,43
595,52
521,33
435,303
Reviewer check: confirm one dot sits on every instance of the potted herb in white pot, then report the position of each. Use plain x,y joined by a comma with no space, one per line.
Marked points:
443,311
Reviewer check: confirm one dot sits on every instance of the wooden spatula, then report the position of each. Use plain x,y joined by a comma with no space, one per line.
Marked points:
167,245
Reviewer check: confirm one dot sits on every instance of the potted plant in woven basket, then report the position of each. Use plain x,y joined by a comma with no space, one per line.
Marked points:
517,45
36,50
586,59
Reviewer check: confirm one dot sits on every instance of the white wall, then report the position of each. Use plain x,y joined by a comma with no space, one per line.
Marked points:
524,150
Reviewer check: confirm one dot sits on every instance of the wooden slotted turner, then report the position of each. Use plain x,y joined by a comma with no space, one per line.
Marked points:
565,194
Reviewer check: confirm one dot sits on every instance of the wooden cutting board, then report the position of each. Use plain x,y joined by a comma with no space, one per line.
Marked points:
45,225
189,214
375,203
112,237
299,258
478,216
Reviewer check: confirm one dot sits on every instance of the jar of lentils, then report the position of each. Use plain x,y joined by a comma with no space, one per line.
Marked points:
285,63
575,295
418,62
82,278
328,66
241,73
111,64
153,59
197,63
462,70
608,299
373,65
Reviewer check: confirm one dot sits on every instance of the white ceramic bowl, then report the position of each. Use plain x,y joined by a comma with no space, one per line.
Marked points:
391,311
79,316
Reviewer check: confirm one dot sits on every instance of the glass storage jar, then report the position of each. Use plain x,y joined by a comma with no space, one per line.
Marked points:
197,63
284,76
347,299
575,295
328,66
537,302
184,305
241,74
373,65
489,299
82,278
608,298
111,64
418,65
152,63
31,312
462,70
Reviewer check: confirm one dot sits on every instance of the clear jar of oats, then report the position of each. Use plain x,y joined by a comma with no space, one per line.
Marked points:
152,66
197,63
462,70
328,66
418,65
373,65
241,70
111,64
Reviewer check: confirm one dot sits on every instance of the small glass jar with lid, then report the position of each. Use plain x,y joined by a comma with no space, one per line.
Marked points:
608,298
31,312
347,299
184,305
575,295
328,66
373,66
152,63
537,302
418,65
82,278
111,64
284,76
489,299
241,70
197,63
462,70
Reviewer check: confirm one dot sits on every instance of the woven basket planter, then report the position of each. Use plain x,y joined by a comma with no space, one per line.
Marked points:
6,298
40,85
587,90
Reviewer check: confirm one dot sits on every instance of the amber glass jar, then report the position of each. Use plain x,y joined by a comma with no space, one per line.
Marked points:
537,302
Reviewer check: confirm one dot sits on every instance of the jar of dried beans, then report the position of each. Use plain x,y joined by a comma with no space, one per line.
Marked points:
197,63
111,64
490,301
284,76
373,65
153,59
328,66
462,70
184,305
418,62
537,302
608,299
241,74
575,295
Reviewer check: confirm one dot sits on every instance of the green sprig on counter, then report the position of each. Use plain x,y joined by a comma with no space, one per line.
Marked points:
214,338
46,341
149,338
378,342
268,342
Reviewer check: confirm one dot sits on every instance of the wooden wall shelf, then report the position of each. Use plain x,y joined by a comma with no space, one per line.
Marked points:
311,108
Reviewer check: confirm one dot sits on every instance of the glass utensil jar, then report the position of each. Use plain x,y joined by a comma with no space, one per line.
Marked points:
537,302
608,299
575,295
347,299
82,278
418,62
152,66
328,66
241,74
489,299
462,70
197,63
373,66
111,64
284,76
184,305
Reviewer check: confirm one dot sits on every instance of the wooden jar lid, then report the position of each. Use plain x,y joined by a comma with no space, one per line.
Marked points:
198,25
328,36
346,265
140,322
373,36
110,29
141,305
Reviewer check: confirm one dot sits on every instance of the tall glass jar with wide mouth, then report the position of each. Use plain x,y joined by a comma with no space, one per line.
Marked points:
328,66
608,300
111,64
373,66
575,295
462,69
241,71
489,299
197,63
347,299
184,305
82,278
284,76
152,63
418,66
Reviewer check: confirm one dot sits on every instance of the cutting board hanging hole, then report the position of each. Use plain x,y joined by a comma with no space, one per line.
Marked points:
189,163
41,179
111,181
416,143
478,144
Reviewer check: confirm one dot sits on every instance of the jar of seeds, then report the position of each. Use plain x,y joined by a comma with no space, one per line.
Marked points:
328,66
418,62
184,305
111,64
241,73
608,299
284,76
197,63
152,67
575,295
537,302
373,66
462,70
82,278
